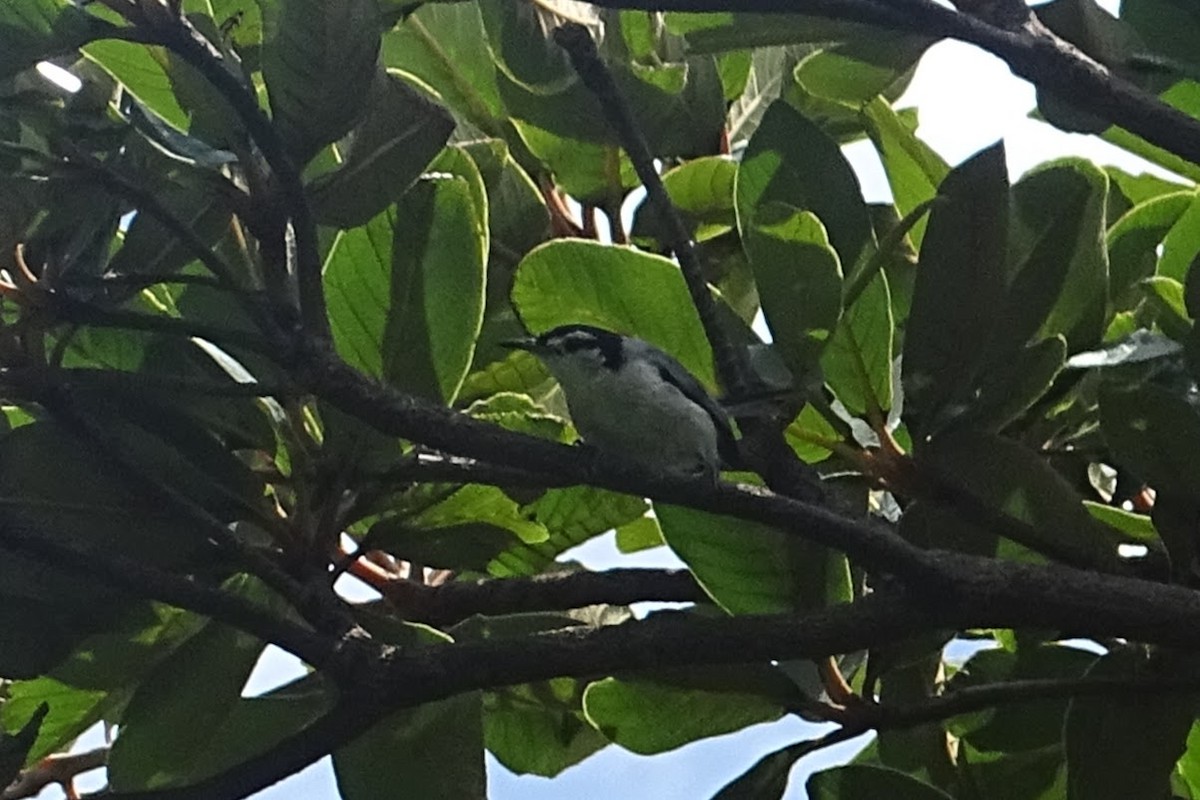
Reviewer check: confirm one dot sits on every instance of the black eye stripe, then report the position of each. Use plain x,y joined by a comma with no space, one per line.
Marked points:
573,338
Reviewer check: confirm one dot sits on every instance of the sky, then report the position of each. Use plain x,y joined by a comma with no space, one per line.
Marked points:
967,100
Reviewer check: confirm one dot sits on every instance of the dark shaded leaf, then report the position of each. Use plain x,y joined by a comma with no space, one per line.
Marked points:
652,714
540,728
318,61
399,135
434,750
1127,746
860,781
790,160
960,288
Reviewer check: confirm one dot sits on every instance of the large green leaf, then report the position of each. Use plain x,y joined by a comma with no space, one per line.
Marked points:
572,515
1134,238
652,713
397,138
790,160
201,683
1127,746
52,487
433,750
406,290
748,568
700,189
32,30
1168,27
1018,495
318,61
855,782
858,362
1155,433
618,288
539,729
143,71
799,281
1018,727
914,170
96,678
1057,257
958,298
440,43
1181,243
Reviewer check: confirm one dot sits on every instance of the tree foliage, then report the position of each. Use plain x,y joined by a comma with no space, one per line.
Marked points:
255,274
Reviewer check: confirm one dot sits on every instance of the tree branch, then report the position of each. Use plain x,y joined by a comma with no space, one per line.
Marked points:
134,578
732,363
452,602
1030,50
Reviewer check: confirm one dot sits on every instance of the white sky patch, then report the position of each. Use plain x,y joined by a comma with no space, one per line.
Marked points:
59,77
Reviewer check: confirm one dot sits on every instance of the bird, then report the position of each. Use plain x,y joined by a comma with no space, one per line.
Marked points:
627,396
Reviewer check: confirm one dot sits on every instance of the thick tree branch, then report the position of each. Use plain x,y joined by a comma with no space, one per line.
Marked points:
134,578
1030,50
451,602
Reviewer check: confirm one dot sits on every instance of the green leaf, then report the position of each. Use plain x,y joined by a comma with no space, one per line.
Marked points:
790,160
958,297
255,724
799,281
1009,388
406,290
914,170
1019,496
1181,243
859,781
1058,258
702,190
539,728
642,533
440,44
858,361
748,568
1137,526
1169,27
97,677
713,32
588,171
1127,746
32,30
485,504
201,683
1134,238
432,750
653,714
52,487
143,71
1164,298
810,433
768,778
518,39
399,135
1155,433
1017,727
318,63
618,288
572,515
15,747
858,71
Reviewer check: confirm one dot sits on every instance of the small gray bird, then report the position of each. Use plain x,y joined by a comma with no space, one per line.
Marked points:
627,396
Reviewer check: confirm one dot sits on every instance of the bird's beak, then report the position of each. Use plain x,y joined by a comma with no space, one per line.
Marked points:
527,343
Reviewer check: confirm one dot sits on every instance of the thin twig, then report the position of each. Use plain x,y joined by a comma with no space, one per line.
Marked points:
732,362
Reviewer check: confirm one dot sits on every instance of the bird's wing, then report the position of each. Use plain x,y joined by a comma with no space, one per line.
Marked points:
692,389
